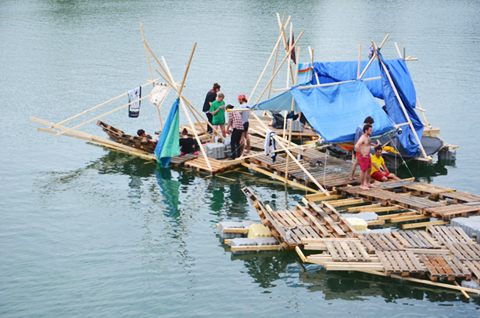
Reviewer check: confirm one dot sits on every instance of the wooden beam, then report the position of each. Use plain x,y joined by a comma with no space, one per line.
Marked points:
423,224
426,282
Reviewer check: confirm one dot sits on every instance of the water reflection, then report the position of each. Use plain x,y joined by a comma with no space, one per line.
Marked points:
170,190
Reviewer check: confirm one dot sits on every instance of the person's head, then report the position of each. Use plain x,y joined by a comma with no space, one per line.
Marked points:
216,87
368,121
230,106
378,150
184,132
242,99
141,132
367,129
220,97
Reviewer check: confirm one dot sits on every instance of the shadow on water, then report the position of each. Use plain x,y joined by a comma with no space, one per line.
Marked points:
420,170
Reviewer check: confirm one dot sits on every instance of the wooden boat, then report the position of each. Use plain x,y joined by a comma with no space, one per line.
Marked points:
142,143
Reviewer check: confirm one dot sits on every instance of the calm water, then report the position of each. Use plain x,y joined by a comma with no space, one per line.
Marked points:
89,232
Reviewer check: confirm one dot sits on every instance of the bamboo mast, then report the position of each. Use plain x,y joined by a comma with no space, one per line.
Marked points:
185,109
373,56
291,123
99,105
278,69
359,59
151,72
311,51
104,114
402,106
176,89
281,26
275,48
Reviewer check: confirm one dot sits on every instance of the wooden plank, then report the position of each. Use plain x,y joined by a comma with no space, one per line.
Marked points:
319,227
402,240
362,251
415,262
355,250
247,248
340,251
386,263
423,224
348,252
333,251
430,239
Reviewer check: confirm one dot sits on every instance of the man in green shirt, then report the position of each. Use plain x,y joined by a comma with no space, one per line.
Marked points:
217,109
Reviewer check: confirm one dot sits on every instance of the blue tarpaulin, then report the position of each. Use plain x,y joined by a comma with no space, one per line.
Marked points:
334,111
406,91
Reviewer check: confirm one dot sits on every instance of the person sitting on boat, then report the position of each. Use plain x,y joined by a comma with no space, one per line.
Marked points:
217,109
242,99
236,124
188,145
379,169
141,133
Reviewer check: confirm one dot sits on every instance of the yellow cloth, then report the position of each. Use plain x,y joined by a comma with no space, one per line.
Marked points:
378,161
390,149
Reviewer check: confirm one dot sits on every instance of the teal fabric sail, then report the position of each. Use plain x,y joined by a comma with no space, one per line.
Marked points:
168,145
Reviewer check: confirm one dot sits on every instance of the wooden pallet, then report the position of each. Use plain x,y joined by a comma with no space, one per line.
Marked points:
460,197
424,188
449,234
416,239
445,266
179,161
200,164
350,250
390,185
452,211
465,252
474,267
403,263
413,202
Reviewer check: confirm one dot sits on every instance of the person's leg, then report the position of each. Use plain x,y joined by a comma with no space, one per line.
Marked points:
354,168
209,117
213,133
237,136
222,127
393,176
233,145
242,143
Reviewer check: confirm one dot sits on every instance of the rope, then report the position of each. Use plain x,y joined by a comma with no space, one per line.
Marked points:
400,154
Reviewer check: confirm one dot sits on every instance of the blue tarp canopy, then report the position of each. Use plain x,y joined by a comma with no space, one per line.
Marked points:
334,111
329,72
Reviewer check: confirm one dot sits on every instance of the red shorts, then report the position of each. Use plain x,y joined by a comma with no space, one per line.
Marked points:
365,162
378,175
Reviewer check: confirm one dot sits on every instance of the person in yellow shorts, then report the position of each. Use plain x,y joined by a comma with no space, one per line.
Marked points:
379,170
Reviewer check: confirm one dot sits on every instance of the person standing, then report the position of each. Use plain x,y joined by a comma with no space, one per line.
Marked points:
245,116
209,99
217,109
235,122
363,148
358,132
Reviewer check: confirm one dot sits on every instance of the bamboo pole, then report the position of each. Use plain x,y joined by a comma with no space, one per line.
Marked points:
311,51
281,26
359,58
99,105
278,69
188,116
373,56
171,84
329,84
289,60
289,182
293,157
403,107
398,51
291,124
102,115
151,72
275,48
425,282
91,138
285,40
192,109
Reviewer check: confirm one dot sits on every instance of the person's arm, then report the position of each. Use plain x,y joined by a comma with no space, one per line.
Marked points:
385,168
376,166
358,144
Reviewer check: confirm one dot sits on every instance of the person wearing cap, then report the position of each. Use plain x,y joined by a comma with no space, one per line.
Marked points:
217,109
235,122
245,115
188,145
209,99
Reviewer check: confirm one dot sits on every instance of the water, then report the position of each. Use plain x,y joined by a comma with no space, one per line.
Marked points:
89,232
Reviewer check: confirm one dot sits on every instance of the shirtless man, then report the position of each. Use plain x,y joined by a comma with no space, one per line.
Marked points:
363,148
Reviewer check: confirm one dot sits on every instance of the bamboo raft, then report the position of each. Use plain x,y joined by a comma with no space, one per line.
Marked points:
440,253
